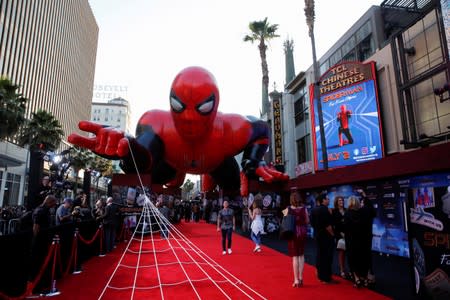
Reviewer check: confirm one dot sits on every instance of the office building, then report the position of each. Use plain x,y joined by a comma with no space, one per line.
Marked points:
49,49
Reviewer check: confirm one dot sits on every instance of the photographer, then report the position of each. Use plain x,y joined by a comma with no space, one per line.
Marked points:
44,189
63,213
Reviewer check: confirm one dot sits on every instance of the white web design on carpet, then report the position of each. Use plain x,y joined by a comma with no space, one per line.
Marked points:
157,247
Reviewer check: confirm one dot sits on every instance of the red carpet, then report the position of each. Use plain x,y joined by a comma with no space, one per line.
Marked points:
268,273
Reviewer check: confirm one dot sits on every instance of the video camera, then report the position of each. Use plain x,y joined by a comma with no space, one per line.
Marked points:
440,91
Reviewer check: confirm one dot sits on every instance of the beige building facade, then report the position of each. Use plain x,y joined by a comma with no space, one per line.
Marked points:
49,49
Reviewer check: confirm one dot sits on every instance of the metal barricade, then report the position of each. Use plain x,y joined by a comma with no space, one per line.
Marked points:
13,226
3,227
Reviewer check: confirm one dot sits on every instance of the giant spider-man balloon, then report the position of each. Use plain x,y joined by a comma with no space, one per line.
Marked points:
192,138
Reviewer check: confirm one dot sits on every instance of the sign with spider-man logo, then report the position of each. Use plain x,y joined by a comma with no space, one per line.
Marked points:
351,116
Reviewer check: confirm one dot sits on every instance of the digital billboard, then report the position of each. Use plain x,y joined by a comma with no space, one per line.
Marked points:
351,118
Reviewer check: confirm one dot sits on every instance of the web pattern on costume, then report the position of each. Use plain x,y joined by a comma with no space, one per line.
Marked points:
155,265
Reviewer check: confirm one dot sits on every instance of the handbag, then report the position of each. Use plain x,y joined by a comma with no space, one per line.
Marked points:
341,244
287,228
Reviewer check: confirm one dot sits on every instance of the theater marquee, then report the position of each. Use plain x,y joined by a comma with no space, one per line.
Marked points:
277,132
350,109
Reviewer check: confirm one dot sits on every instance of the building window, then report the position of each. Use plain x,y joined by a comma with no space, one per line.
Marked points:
366,48
425,115
304,149
301,110
301,105
12,189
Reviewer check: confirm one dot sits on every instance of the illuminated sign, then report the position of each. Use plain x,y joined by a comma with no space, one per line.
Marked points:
277,132
350,115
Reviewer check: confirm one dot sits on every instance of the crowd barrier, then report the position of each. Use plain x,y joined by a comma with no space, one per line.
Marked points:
30,267
9,226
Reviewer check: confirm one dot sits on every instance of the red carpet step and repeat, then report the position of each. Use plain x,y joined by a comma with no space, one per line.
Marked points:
190,265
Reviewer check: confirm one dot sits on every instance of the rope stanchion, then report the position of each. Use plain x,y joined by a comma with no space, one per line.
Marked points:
53,290
76,268
102,236
32,284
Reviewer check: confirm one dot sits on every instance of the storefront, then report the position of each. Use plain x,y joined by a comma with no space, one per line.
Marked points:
411,194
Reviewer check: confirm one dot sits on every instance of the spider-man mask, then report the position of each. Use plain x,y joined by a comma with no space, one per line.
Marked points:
194,98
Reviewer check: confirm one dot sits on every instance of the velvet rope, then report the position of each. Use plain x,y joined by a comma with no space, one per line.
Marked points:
88,242
56,256
72,253
102,236
31,285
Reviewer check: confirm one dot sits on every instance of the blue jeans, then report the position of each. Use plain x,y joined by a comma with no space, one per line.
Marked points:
256,238
226,235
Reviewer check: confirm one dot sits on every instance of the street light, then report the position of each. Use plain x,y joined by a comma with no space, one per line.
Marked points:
309,13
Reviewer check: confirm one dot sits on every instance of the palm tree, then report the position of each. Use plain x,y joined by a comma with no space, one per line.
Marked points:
80,158
43,131
104,168
262,31
12,108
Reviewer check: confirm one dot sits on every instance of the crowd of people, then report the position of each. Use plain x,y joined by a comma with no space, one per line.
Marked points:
345,230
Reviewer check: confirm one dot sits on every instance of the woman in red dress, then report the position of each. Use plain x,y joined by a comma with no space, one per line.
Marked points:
296,246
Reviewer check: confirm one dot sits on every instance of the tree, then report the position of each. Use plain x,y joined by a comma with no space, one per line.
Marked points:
102,167
12,108
43,132
262,31
80,159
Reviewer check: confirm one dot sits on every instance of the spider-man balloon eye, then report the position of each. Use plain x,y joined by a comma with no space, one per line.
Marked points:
176,105
206,106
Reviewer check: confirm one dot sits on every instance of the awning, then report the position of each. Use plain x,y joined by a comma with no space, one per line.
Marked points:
8,161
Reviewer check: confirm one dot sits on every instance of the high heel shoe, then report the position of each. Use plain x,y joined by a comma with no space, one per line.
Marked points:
295,284
300,283
358,283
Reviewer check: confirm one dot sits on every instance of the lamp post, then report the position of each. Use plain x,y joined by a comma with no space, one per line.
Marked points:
309,13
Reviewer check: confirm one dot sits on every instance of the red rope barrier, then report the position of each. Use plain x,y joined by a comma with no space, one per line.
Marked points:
75,251
88,242
32,284
55,257
102,237
54,251
72,252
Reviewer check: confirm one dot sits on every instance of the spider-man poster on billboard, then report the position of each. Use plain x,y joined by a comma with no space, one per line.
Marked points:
351,116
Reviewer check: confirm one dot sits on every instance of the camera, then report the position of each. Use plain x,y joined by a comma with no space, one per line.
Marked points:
440,91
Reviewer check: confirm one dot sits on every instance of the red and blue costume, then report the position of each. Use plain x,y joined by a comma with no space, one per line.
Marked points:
192,138
343,117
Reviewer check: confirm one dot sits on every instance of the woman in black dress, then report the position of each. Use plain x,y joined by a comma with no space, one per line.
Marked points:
338,213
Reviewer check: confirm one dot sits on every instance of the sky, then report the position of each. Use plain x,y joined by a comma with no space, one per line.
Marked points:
143,44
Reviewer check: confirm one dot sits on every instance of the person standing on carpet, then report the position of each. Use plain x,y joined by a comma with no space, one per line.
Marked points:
296,245
257,227
338,224
322,222
226,223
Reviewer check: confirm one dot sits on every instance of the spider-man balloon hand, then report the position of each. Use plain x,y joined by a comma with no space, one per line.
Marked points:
108,141
192,138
